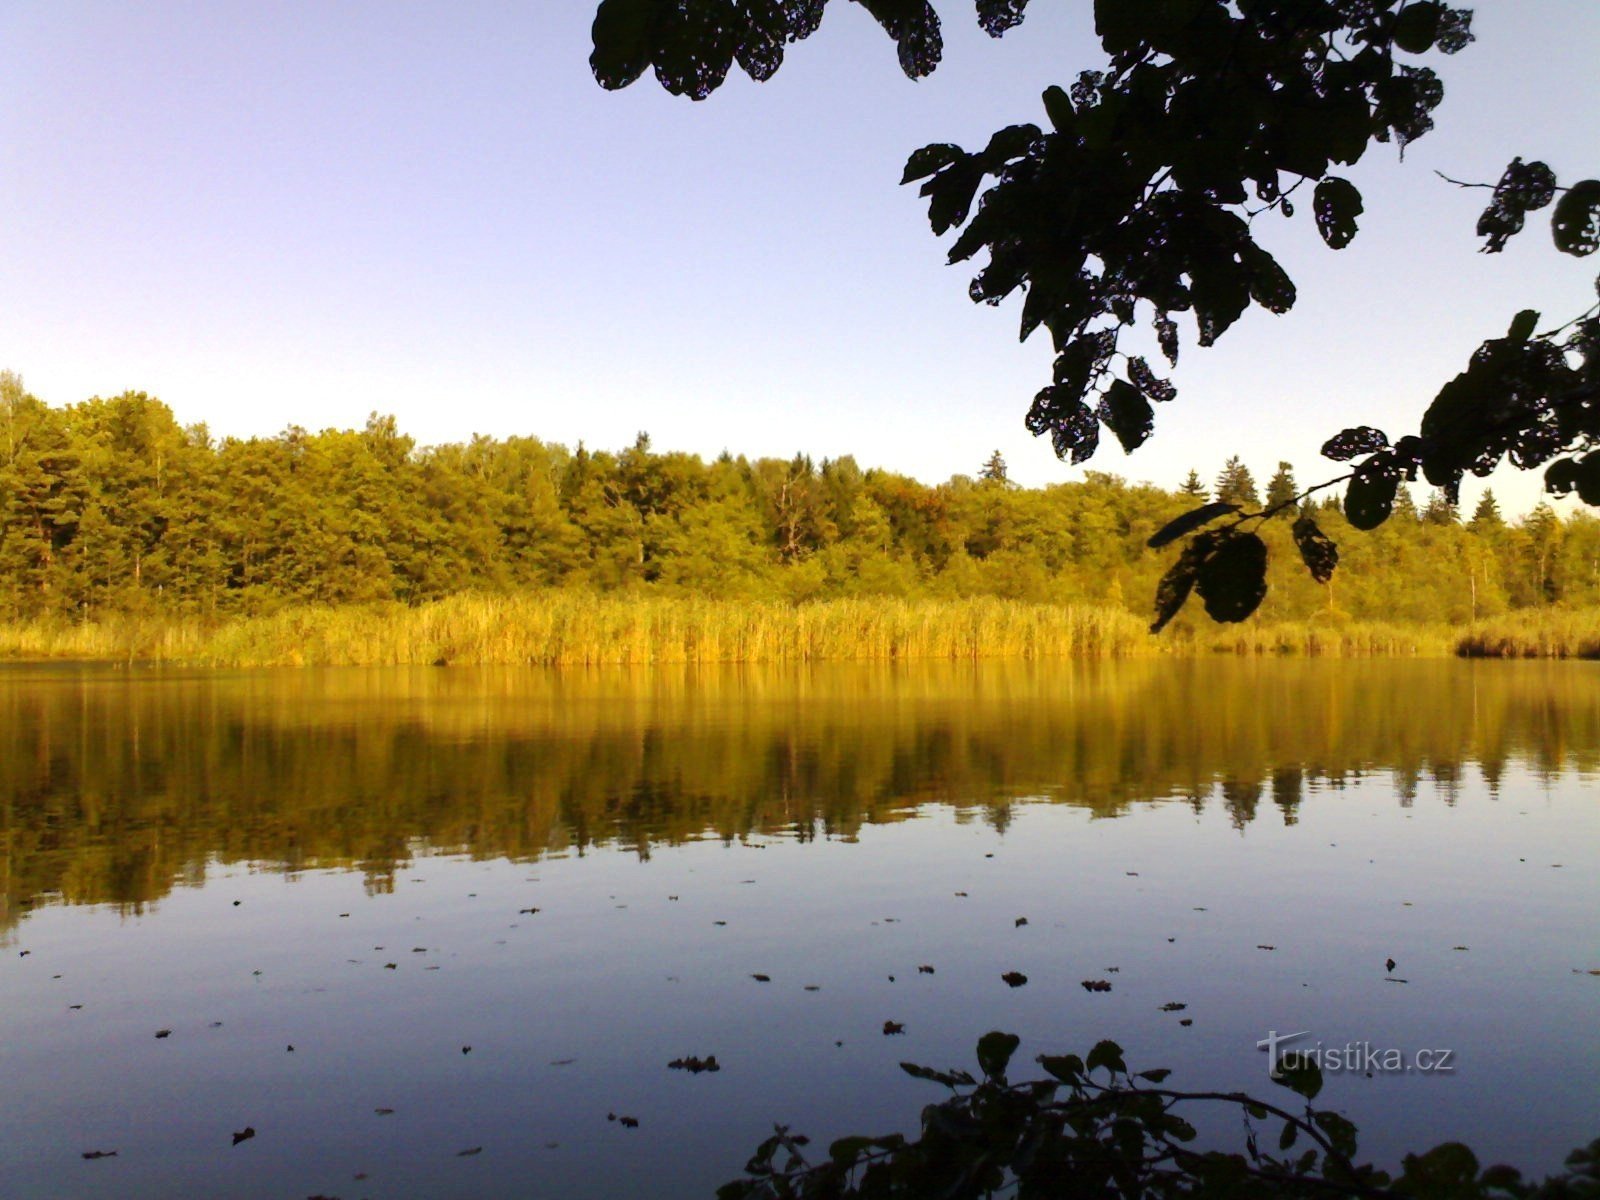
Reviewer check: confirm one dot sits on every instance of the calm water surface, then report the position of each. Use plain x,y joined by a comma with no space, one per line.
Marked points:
577,875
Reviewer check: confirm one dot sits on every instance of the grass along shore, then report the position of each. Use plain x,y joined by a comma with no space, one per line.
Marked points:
570,628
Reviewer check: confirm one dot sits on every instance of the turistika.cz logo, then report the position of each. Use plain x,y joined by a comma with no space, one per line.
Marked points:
1353,1056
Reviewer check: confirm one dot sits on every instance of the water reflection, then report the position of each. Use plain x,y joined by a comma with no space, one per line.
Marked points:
117,785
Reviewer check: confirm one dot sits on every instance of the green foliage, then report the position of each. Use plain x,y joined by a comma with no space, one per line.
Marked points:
111,512
1137,200
1095,1129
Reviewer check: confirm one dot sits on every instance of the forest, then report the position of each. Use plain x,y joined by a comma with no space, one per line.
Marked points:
111,506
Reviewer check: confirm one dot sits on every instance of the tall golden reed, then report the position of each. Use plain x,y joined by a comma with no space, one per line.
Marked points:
578,628
560,628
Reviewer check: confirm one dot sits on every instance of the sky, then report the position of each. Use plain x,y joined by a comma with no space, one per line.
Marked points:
274,214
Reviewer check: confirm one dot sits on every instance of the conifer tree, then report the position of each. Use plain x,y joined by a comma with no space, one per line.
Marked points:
1486,516
994,470
1282,489
1235,485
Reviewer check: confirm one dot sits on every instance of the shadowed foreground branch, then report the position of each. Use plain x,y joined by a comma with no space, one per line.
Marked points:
1093,1128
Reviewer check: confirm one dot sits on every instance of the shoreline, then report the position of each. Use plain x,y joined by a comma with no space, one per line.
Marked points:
572,628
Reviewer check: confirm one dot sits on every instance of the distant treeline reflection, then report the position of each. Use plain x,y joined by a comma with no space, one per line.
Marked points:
117,785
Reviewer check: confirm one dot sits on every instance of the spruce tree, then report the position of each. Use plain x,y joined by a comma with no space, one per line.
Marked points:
1487,515
1282,489
994,470
1236,485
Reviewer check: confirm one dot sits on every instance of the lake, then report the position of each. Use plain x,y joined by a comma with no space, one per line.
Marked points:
385,917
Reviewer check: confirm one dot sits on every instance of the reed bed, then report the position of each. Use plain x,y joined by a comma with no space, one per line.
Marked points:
1540,633
1319,639
113,639
583,629
574,628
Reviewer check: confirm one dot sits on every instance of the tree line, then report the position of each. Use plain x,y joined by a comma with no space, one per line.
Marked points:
112,506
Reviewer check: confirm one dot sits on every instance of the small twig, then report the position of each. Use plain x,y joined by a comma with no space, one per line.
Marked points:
1462,183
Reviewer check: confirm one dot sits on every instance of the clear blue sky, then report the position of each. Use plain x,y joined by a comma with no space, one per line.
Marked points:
296,213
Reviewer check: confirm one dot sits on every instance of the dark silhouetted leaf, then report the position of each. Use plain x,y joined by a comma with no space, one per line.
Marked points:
1317,551
1523,325
1189,522
1348,443
1068,1068
1096,985
914,26
1582,474
997,16
1576,221
948,1078
1417,25
94,1154
994,1053
1233,578
1270,285
1173,590
950,192
1455,30
1106,1054
929,160
1336,204
623,33
244,1135
1370,498
1148,382
1167,336
1523,188
1447,1170
1014,978
890,1028
1128,414
1058,107
1299,1073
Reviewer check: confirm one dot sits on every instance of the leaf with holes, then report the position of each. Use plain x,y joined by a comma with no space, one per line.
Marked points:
997,16
1173,590
1576,222
1336,204
1317,550
1233,578
1359,439
1167,335
1128,414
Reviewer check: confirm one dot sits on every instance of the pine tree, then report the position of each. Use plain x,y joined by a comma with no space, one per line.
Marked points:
1193,486
1405,506
1487,515
994,470
1439,510
1282,489
1236,485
